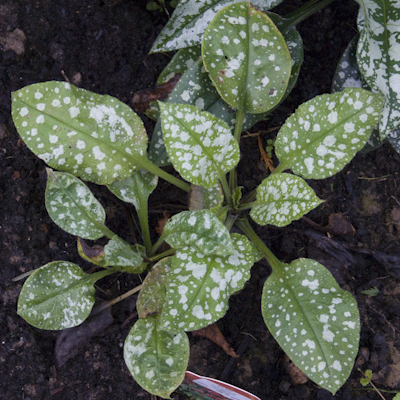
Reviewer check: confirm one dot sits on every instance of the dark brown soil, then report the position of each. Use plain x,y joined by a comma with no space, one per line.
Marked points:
108,45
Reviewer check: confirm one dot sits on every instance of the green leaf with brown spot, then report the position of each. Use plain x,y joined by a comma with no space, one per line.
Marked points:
119,253
199,286
151,298
180,62
201,230
325,133
247,58
94,137
281,199
72,206
187,24
57,296
201,198
156,358
200,146
316,323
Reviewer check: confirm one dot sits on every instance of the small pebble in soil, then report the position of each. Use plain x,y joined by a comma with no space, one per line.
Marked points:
379,339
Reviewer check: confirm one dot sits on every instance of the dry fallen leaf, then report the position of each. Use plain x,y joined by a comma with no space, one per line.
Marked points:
161,223
339,225
70,341
213,333
142,99
267,161
297,377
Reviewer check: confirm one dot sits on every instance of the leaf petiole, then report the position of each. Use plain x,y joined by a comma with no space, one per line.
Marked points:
245,226
144,163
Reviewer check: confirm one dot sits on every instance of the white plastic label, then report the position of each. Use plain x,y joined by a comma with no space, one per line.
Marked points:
215,388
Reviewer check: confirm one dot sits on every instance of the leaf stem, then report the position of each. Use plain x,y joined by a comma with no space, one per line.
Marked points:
144,163
302,13
157,244
118,299
281,167
167,253
245,226
246,206
102,274
240,115
142,212
226,188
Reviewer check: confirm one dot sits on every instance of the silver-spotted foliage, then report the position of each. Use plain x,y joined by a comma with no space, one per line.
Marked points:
238,63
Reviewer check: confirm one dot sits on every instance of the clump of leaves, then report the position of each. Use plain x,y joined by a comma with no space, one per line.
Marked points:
249,63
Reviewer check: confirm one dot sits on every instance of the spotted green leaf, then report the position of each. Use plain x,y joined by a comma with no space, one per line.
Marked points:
394,139
201,230
95,137
325,133
180,62
200,146
199,286
378,56
157,359
316,323
72,206
57,296
195,88
281,199
347,73
201,198
187,24
136,188
294,43
151,298
119,253
247,58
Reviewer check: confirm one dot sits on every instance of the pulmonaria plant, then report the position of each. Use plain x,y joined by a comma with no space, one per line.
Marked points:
247,67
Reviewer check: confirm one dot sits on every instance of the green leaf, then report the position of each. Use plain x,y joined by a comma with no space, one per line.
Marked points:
199,286
283,198
201,198
378,57
316,323
95,137
57,296
247,58
72,206
187,24
371,292
119,253
94,254
151,298
294,43
325,133
180,62
347,73
135,189
195,88
368,376
201,230
200,146
394,139
157,359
